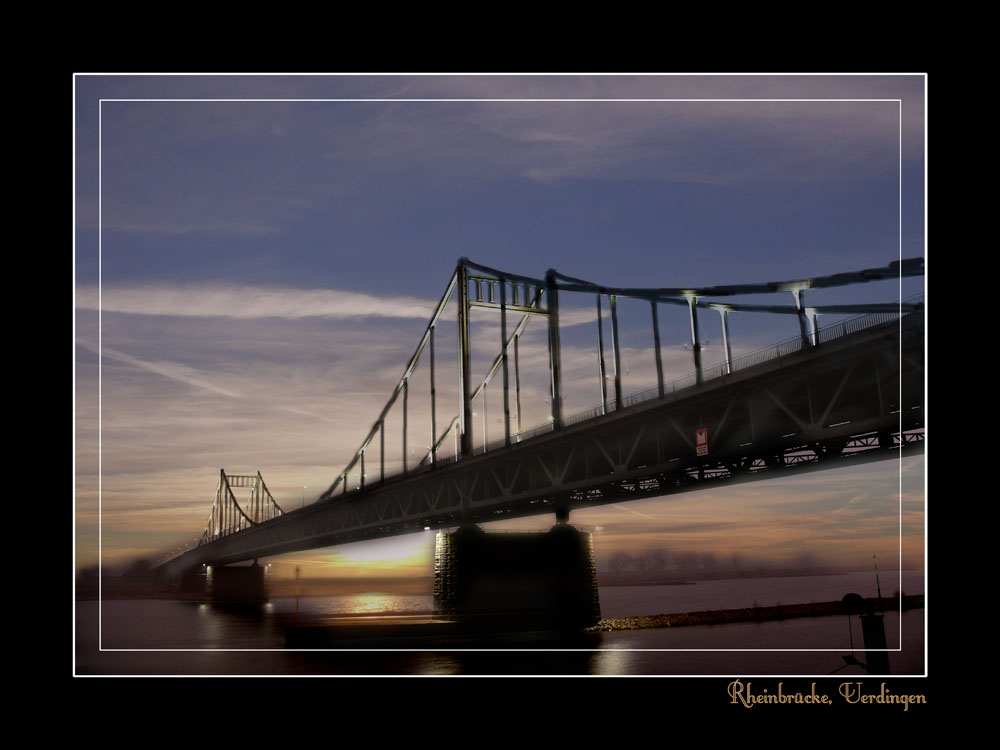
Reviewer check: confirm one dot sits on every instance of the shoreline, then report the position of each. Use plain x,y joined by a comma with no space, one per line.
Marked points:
679,619
116,590
751,614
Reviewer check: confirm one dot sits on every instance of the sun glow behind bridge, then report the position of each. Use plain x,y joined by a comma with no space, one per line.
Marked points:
406,556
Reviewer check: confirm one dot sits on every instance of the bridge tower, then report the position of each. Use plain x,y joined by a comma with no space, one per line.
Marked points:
228,516
224,583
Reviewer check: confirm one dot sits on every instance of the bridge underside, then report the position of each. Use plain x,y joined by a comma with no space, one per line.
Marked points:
852,400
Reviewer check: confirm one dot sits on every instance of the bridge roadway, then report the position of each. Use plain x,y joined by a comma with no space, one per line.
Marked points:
855,397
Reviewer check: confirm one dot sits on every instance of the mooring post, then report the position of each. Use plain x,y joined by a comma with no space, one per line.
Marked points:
555,366
876,649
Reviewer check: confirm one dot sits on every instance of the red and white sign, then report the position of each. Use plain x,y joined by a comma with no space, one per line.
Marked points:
701,442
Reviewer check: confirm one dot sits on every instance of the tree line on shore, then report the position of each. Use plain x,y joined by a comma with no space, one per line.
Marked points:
659,563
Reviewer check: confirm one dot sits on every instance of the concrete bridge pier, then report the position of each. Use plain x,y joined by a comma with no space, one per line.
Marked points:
519,580
235,584
192,581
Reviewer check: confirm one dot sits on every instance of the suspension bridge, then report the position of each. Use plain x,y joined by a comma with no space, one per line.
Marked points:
832,396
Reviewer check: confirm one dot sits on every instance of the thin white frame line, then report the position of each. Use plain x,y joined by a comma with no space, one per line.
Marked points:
100,374
465,101
73,458
926,356
500,74
495,676
902,438
542,100
510,650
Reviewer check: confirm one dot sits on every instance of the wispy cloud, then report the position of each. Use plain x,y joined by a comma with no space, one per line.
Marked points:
247,302
192,377
170,370
244,302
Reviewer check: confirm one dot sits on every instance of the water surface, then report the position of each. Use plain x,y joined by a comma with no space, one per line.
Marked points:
176,637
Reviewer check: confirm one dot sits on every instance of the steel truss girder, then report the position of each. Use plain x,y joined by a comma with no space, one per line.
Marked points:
526,302
849,401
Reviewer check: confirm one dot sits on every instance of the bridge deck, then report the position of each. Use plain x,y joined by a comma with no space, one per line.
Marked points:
857,396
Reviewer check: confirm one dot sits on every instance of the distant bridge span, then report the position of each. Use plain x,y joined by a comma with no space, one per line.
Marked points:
837,396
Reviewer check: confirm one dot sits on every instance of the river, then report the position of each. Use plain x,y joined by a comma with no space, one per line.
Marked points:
167,637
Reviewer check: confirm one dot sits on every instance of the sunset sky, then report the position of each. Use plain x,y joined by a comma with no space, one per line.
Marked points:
253,275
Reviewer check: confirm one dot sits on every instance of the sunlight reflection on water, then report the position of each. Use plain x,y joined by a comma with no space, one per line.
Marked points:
357,604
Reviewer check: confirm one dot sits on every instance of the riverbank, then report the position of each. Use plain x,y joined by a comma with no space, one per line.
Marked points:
751,614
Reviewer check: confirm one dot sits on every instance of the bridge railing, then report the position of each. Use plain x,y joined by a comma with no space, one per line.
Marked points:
677,387
852,325
672,388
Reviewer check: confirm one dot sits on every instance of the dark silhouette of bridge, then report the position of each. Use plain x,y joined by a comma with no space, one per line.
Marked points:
833,396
